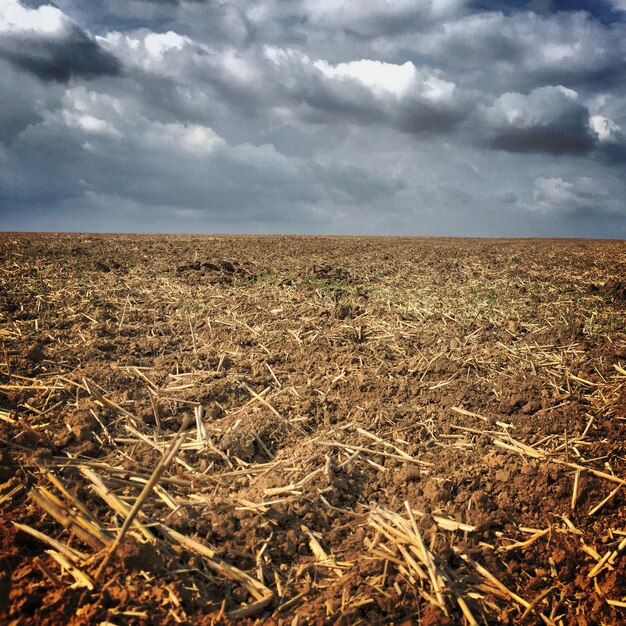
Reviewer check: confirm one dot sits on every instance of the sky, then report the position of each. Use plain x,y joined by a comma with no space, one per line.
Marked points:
377,117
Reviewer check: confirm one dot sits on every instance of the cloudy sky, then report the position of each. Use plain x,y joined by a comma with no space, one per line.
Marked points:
424,117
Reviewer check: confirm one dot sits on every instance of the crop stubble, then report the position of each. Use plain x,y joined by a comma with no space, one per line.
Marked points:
312,429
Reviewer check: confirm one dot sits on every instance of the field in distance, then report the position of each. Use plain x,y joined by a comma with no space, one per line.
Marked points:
282,430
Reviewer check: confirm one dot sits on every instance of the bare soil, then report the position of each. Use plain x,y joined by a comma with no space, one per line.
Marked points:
312,430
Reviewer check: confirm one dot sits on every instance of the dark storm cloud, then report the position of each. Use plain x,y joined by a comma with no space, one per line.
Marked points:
73,55
549,119
615,154
44,42
611,140
602,10
552,140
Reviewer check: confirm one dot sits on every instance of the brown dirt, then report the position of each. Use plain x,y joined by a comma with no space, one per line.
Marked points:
339,378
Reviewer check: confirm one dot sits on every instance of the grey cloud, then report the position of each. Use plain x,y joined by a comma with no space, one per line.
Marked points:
380,18
273,84
412,99
615,154
108,143
23,101
417,116
495,50
244,79
352,183
175,77
315,25
618,5
549,119
507,197
420,108
216,22
500,52
317,116
260,81
172,1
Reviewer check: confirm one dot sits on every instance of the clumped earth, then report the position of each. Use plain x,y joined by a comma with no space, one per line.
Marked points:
292,430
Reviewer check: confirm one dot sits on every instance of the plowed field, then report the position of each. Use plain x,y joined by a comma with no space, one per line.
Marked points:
304,430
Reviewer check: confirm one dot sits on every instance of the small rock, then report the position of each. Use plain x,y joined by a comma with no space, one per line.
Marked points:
532,406
216,412
503,476
342,311
35,354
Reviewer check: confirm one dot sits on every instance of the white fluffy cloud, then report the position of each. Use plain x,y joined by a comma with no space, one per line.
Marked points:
147,50
382,78
365,90
581,196
606,130
96,114
46,19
